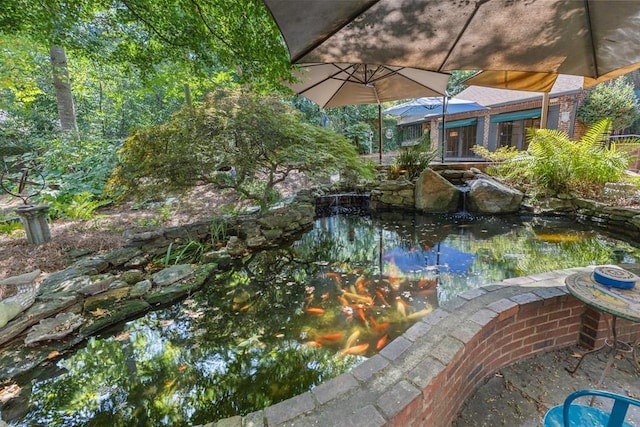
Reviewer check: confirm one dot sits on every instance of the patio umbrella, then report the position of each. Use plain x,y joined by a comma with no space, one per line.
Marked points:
586,38
338,84
536,82
433,106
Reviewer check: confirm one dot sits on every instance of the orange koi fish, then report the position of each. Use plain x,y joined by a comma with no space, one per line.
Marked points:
381,297
335,276
312,344
343,300
357,349
361,285
314,310
382,341
381,326
325,296
429,283
337,336
361,316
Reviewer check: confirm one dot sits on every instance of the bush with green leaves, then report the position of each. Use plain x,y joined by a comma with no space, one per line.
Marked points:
411,161
237,140
614,100
77,206
555,162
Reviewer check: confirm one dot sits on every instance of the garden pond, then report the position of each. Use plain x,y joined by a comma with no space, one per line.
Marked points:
285,320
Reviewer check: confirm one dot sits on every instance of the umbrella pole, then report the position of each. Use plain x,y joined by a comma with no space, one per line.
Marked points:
380,132
444,111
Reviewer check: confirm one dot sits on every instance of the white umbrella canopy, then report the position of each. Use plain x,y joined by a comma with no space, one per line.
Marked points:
433,106
580,37
337,84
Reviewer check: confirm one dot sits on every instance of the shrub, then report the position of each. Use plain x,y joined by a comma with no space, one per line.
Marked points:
555,162
262,138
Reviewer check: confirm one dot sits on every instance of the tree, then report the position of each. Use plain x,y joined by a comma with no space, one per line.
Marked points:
237,140
237,36
455,85
614,100
66,107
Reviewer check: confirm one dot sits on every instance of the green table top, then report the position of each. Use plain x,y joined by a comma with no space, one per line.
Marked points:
623,303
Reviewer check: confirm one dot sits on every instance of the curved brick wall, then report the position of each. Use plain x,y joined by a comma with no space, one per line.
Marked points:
425,376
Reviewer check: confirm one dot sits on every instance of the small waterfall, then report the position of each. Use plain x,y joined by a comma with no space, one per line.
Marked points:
462,201
343,203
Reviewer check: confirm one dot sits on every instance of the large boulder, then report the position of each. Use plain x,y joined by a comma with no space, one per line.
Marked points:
434,194
488,196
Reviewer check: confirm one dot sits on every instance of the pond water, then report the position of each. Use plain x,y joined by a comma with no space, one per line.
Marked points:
284,321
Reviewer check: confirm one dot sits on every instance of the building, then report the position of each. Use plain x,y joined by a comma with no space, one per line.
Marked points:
510,113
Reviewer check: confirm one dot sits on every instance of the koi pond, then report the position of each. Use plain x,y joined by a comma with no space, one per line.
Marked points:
284,321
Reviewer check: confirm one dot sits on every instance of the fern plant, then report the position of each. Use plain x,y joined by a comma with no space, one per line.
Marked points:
412,161
78,206
557,163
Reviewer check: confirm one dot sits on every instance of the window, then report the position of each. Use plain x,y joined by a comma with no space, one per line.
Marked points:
460,140
412,132
514,133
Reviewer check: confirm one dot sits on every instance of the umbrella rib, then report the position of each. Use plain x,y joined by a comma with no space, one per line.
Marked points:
341,86
346,21
413,80
460,34
593,45
330,77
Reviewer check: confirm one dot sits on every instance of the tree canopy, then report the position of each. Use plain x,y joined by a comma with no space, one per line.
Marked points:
234,36
234,139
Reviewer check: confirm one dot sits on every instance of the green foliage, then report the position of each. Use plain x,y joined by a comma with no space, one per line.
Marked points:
614,100
74,166
360,133
261,137
77,206
554,162
9,228
412,160
500,155
455,85
237,36
218,231
190,253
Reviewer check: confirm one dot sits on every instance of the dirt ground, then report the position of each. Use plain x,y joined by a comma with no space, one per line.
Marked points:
72,239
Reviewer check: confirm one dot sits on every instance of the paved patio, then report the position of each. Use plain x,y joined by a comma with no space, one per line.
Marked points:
519,395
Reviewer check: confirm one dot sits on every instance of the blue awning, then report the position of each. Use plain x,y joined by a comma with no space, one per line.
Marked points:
459,123
516,115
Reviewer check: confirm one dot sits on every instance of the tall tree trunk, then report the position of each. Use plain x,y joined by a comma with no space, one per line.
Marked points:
64,99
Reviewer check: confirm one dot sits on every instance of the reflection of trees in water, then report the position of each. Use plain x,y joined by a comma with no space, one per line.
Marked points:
175,385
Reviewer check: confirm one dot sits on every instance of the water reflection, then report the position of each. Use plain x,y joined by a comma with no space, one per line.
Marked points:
284,321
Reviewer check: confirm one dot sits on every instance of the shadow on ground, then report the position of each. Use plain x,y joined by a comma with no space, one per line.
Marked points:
520,395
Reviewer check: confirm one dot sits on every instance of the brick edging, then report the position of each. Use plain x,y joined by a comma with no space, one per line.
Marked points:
426,375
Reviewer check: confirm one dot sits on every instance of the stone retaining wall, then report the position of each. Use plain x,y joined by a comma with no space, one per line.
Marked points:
624,221
251,230
424,377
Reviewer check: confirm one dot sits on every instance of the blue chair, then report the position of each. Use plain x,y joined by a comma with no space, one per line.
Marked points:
574,415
